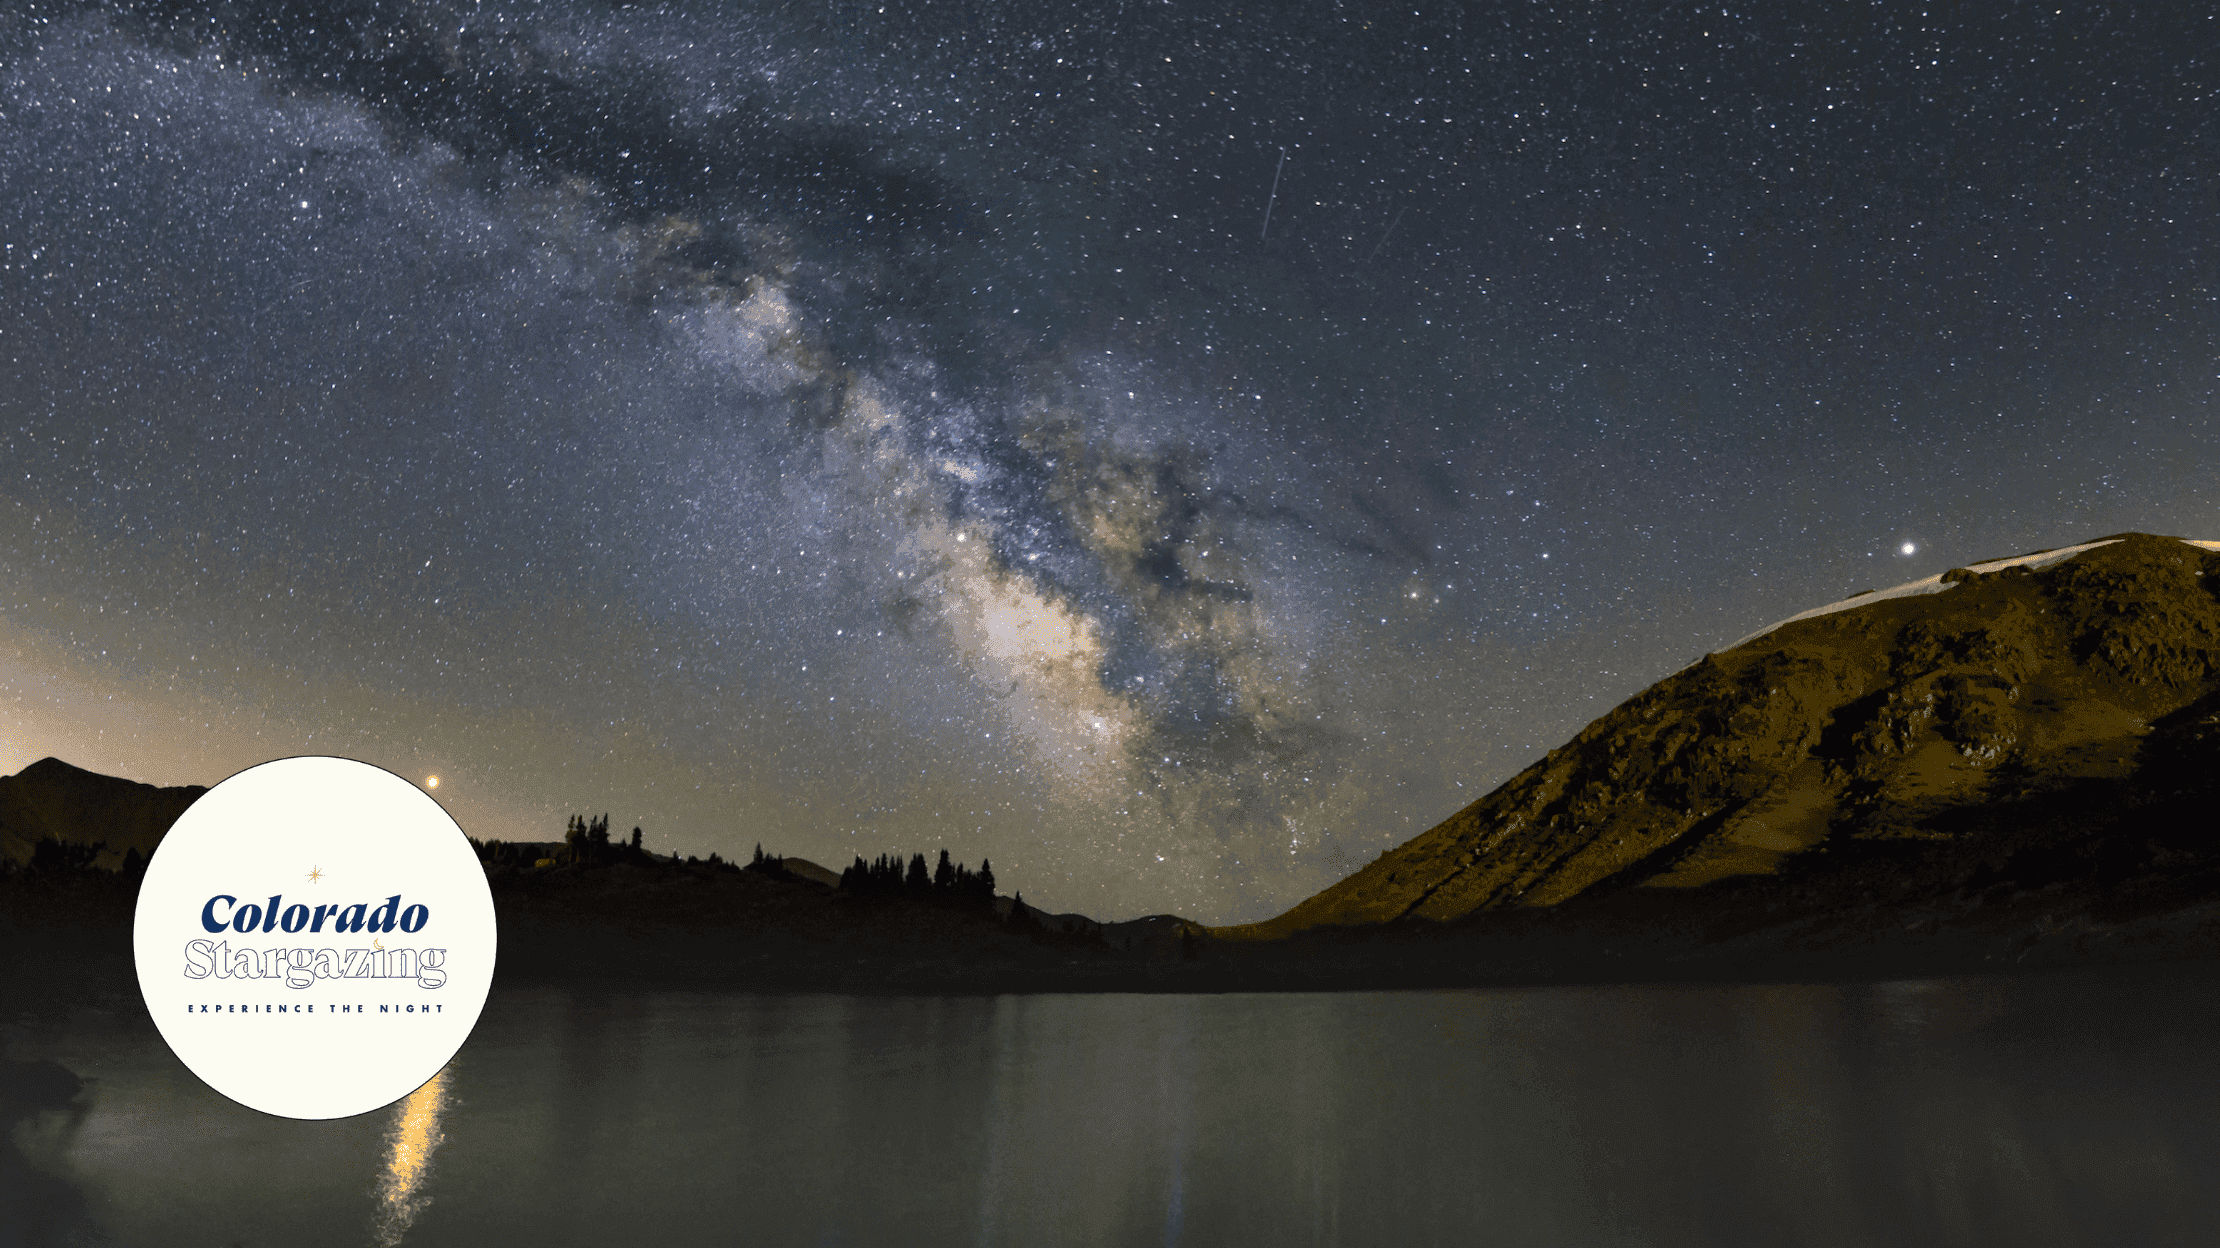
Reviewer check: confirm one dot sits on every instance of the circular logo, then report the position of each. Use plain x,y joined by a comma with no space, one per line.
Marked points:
314,937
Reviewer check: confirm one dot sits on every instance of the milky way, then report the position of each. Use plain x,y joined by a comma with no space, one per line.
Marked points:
856,428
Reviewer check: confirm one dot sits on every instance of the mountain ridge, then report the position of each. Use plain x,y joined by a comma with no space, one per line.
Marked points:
51,799
1879,718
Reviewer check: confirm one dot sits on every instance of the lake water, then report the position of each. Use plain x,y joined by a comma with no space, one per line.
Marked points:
2064,1109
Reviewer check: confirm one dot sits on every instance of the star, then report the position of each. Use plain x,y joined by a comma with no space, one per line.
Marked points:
315,874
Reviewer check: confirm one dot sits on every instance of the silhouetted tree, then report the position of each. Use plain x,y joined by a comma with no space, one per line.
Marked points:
949,884
771,865
586,842
1022,919
55,857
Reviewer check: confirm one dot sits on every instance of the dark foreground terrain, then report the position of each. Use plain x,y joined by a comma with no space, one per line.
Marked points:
67,940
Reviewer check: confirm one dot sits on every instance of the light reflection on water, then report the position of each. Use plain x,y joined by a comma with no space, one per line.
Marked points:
2062,1110
409,1144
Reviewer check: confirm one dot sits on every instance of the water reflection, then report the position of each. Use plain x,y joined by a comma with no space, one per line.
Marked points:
2069,1110
409,1144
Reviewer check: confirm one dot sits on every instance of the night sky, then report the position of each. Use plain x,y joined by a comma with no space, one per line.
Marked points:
1175,450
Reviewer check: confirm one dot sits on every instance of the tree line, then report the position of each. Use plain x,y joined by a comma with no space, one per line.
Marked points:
951,884
585,843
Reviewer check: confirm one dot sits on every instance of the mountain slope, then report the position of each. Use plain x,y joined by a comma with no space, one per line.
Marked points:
1905,719
50,798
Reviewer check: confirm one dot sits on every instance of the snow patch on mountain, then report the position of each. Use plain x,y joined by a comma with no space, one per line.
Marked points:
1936,584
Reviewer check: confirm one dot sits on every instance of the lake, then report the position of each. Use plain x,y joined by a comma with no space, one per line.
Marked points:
2067,1108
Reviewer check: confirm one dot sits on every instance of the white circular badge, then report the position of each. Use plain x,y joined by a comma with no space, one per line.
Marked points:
314,937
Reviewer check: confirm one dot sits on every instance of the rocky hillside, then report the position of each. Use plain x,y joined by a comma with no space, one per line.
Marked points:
50,798
2048,724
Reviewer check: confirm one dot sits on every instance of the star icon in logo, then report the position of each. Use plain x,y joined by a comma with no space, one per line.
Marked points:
315,874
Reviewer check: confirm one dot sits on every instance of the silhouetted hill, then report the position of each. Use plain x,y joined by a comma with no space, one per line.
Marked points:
2021,753
595,912
50,798
692,924
804,869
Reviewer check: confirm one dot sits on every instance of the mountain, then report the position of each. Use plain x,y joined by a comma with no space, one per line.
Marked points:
50,798
618,916
2015,762
2021,745
804,869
